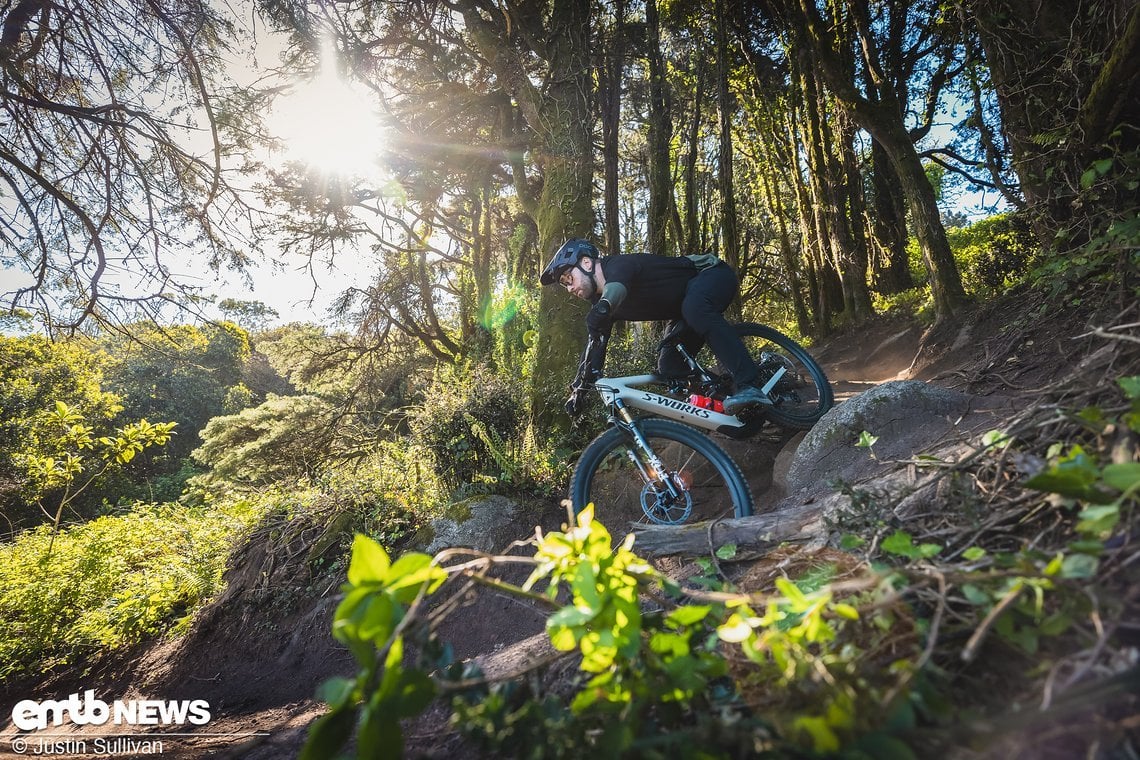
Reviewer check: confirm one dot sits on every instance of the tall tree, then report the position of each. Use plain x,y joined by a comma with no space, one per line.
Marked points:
1067,75
884,119
472,86
112,152
660,136
560,116
726,108
611,81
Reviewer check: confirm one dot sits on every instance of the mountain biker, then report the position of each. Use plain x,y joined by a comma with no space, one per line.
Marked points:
643,287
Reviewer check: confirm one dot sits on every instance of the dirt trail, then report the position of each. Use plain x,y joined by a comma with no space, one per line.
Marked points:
259,673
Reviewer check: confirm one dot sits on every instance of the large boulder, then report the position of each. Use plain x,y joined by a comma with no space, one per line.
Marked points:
486,523
907,416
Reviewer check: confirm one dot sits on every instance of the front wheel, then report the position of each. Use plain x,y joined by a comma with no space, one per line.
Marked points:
803,394
695,480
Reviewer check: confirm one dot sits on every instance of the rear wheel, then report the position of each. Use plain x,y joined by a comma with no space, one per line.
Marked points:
802,394
696,481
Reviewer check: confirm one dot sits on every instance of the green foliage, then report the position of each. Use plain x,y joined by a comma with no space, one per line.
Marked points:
651,683
35,373
1105,493
76,455
1107,256
72,456
475,431
808,668
916,302
369,621
284,438
510,318
109,582
901,543
184,373
993,253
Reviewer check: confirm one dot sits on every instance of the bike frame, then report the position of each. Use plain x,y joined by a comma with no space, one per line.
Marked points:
621,393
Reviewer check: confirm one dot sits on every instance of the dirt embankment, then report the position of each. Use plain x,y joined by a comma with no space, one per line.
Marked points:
258,654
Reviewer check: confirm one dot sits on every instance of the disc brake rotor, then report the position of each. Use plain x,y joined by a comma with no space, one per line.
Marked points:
661,508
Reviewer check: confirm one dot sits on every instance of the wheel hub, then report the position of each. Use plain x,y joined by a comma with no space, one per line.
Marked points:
662,508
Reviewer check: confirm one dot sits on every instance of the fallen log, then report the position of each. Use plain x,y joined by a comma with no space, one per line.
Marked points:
753,536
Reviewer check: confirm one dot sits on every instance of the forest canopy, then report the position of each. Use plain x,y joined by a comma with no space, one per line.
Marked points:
818,148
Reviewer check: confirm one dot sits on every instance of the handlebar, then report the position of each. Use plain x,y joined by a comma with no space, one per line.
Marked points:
586,373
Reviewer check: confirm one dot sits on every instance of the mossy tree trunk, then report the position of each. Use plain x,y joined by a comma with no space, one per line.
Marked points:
1067,77
560,116
660,138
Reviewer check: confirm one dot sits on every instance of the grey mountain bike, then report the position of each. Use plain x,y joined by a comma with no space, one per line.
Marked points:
656,462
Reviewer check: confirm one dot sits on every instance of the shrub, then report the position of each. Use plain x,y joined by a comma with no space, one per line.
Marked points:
468,423
993,253
475,433
109,582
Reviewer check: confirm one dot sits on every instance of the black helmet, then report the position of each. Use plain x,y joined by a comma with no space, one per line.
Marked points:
571,252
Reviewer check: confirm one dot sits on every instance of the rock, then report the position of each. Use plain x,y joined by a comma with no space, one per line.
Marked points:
485,523
908,416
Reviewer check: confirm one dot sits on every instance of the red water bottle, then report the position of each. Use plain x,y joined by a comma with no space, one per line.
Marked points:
706,402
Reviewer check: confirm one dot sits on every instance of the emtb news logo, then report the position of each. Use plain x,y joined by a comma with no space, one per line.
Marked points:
30,715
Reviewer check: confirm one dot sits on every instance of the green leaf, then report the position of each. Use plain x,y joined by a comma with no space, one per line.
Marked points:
881,746
974,553
1124,476
689,614
866,440
1079,566
996,438
1103,165
1056,624
975,595
369,563
571,617
901,543
927,551
328,734
379,735
845,611
851,541
823,738
377,618
728,551
1130,386
335,692
792,593
409,573
416,692
562,638
1088,178
1099,520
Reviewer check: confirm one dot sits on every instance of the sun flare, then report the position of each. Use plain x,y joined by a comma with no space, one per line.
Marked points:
328,124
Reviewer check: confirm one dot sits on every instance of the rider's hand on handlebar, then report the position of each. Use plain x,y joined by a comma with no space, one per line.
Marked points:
574,404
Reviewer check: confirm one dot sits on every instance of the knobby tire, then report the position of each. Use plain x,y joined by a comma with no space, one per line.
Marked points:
709,461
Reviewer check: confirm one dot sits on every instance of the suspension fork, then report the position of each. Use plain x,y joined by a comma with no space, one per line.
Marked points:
629,424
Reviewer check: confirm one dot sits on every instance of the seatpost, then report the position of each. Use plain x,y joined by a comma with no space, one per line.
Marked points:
694,365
